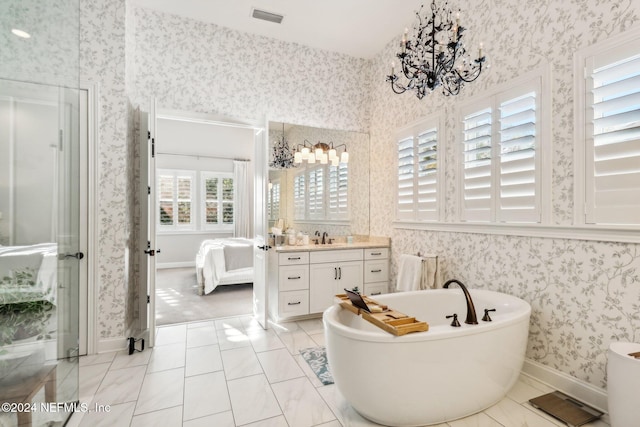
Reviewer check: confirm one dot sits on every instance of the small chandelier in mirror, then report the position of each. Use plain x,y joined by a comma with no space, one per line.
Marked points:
436,56
321,153
282,155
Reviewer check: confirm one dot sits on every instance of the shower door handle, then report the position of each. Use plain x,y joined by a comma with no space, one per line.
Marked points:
77,255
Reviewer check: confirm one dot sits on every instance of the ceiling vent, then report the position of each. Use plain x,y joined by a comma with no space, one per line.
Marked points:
267,16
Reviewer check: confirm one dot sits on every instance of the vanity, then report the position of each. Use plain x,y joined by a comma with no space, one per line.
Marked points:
303,280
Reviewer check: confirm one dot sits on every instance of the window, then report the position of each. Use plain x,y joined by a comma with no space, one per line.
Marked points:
217,200
338,194
273,202
419,171
320,193
175,197
608,132
502,155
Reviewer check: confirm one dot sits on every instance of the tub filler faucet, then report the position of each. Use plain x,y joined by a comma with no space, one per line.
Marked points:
471,310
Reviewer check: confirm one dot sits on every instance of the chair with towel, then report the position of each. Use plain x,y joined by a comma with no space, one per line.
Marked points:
418,272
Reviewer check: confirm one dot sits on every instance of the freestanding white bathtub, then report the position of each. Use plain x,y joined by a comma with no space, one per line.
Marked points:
428,377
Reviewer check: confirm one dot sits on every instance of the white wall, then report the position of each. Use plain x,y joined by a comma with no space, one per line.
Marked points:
199,147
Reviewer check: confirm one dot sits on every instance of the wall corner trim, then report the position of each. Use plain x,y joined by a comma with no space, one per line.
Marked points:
581,390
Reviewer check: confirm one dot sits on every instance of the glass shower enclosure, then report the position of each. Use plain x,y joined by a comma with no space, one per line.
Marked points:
39,211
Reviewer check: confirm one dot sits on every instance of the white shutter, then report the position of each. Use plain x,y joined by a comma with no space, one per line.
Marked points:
428,175
315,196
405,189
337,203
476,165
519,183
299,193
613,139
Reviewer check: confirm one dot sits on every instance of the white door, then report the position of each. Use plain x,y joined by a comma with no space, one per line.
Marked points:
147,282
260,225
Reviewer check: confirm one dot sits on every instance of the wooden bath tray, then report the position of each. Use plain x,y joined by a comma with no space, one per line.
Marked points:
392,321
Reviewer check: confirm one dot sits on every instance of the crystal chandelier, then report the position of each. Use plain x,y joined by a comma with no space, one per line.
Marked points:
321,153
282,155
436,57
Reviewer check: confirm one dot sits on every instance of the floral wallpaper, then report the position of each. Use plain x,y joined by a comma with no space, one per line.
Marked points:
102,61
584,294
195,66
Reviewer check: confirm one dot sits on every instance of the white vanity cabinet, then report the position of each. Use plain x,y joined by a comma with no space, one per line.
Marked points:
289,284
330,278
376,271
306,281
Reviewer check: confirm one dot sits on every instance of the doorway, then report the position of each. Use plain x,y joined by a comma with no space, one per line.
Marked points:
194,211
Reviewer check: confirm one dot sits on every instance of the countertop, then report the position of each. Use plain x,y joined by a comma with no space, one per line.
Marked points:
332,246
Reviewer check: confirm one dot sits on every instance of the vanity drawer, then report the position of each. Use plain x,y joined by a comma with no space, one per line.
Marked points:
376,271
290,258
335,256
373,289
293,303
376,253
293,277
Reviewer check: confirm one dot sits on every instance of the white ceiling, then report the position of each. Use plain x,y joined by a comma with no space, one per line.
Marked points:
359,28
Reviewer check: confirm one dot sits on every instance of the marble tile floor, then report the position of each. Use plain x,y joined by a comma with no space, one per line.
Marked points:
230,372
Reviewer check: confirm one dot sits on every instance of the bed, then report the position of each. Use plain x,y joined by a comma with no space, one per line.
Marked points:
226,261
28,273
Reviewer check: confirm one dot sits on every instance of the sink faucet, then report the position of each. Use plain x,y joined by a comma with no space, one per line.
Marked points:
324,237
317,240
471,310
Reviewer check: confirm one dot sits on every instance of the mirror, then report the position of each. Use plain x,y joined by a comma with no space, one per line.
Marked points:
296,197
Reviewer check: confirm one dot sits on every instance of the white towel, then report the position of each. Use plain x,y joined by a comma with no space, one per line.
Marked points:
410,273
431,273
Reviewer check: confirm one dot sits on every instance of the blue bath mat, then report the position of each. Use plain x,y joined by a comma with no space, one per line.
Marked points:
316,357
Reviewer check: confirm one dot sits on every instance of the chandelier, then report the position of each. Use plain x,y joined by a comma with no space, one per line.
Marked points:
436,57
282,155
321,153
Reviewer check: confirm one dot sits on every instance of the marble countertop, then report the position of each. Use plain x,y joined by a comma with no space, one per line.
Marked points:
332,246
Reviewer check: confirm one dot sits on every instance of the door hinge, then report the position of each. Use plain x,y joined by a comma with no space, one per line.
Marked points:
148,189
148,299
148,134
153,147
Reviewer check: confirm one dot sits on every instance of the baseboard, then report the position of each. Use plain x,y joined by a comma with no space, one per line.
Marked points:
106,345
183,264
581,390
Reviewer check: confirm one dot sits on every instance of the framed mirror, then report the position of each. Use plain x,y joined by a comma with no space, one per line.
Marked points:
309,195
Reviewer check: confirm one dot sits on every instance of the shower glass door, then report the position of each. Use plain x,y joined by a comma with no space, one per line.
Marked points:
39,256
39,218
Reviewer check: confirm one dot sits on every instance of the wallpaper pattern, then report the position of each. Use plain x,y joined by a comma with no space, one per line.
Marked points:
102,60
584,294
195,66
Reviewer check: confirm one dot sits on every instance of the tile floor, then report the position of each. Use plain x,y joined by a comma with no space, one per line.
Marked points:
230,372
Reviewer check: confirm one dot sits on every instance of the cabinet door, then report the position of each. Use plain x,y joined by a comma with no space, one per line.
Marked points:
349,276
323,281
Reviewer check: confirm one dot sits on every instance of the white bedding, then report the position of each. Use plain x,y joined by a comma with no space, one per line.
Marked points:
216,255
40,261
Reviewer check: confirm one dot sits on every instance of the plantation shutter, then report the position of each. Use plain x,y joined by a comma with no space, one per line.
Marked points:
338,179
405,179
428,175
316,194
165,199
519,182
299,192
613,137
211,200
476,165
274,201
